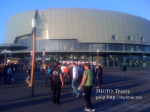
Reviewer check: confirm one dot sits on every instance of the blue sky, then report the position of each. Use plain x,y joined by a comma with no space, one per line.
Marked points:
10,7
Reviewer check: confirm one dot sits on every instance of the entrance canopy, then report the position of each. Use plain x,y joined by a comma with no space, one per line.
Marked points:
12,47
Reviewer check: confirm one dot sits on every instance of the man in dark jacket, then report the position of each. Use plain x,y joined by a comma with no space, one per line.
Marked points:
124,70
1,71
70,73
5,74
57,83
99,75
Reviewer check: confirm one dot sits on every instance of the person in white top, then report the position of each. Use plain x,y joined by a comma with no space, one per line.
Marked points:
74,80
62,69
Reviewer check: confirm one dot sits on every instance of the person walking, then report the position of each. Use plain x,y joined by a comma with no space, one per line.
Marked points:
16,67
52,68
62,69
40,67
87,82
57,83
80,74
48,74
43,67
1,71
29,75
5,74
124,70
11,72
66,75
22,67
98,76
94,74
74,80
70,73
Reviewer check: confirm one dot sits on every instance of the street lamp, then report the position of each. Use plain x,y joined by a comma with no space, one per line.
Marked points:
33,58
97,55
9,55
5,57
31,53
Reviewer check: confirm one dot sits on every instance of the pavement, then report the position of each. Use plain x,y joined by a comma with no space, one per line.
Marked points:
135,96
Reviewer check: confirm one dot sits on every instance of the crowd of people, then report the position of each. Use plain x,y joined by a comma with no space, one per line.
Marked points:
7,70
80,77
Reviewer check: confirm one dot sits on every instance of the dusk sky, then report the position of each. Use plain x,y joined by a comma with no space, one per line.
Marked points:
10,7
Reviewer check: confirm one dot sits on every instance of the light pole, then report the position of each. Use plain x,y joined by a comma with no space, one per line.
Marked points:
5,57
97,55
10,55
33,59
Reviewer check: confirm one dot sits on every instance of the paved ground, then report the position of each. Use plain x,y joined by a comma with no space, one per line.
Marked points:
16,97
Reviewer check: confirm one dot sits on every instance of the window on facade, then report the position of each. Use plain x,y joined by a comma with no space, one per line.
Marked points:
143,48
42,29
130,38
99,46
115,47
130,47
26,41
148,49
65,45
114,37
142,39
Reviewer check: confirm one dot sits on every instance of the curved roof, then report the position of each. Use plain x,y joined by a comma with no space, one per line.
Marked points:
18,25
97,26
85,25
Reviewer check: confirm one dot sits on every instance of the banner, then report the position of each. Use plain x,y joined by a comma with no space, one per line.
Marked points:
43,56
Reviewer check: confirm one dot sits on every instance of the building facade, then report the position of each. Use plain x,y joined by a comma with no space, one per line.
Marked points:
75,34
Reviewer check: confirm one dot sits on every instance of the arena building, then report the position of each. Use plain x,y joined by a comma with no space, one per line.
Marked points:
75,34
